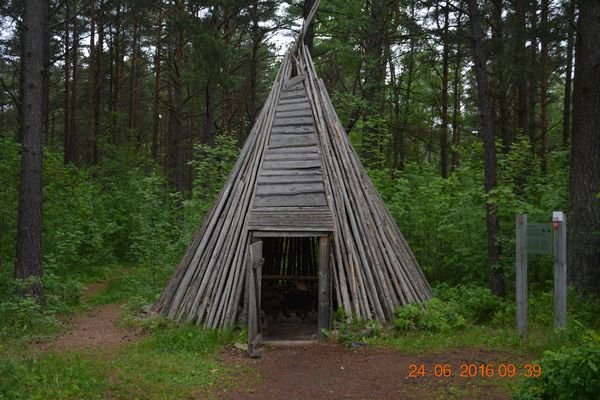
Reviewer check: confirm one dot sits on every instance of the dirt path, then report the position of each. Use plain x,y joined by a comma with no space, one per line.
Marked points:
330,371
97,329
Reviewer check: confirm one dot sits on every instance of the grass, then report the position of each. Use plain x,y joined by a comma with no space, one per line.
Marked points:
174,362
475,337
183,361
171,362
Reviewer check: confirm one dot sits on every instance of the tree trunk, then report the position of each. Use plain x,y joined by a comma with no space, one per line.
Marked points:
544,85
177,117
445,72
67,140
91,109
501,80
310,35
456,93
133,128
520,59
257,37
584,224
533,77
209,122
489,149
455,160
408,96
568,73
73,112
395,128
156,106
374,79
99,70
28,262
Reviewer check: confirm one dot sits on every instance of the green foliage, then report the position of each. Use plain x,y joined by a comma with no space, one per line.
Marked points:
92,219
567,374
54,376
173,362
190,339
475,303
357,330
212,166
444,222
433,316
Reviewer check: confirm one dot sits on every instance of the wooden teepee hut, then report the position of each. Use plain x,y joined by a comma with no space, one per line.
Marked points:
298,204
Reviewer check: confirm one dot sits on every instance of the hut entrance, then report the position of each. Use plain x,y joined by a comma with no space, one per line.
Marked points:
292,287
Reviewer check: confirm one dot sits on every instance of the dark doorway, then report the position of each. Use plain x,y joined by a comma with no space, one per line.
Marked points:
290,288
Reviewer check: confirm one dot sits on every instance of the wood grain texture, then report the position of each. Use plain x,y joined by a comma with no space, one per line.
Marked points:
296,176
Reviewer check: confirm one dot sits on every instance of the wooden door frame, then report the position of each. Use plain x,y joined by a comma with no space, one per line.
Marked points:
324,294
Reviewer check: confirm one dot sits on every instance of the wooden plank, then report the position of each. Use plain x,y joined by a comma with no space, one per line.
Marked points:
289,172
293,121
294,164
295,223
253,313
521,274
290,278
293,150
293,107
296,100
292,140
292,94
256,251
291,157
292,130
293,82
324,308
296,87
288,233
303,112
306,200
291,188
306,213
292,212
283,179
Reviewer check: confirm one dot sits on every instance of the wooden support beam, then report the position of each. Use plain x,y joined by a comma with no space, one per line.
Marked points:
560,275
324,318
521,274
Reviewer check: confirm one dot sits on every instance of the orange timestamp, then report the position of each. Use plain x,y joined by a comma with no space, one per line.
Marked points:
475,370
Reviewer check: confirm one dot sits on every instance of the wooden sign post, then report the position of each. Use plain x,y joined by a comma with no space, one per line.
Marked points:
537,238
521,274
559,223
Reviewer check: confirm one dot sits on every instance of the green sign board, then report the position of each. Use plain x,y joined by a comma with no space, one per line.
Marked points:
539,238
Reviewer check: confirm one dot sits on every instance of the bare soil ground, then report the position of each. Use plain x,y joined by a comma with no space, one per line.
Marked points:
97,329
332,371
315,371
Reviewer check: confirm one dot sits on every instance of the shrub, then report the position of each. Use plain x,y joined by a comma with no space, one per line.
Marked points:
433,316
567,374
477,304
357,330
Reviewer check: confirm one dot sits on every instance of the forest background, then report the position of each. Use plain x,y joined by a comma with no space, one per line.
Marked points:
145,104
